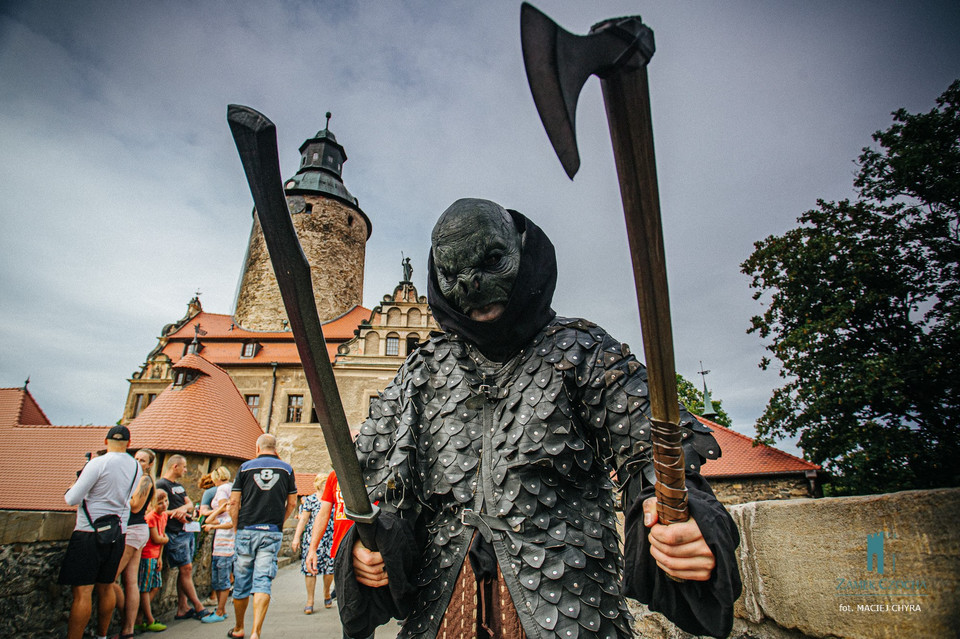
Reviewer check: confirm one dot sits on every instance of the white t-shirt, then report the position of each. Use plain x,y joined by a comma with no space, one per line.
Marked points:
106,483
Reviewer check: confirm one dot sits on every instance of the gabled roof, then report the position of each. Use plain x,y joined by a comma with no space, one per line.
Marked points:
17,406
740,458
207,416
223,339
38,461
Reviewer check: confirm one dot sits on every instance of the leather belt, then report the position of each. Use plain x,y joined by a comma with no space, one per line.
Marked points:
484,523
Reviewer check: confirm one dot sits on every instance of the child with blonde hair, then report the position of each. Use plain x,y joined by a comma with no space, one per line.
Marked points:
151,561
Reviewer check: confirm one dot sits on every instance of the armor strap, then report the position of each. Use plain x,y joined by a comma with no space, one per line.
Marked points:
484,523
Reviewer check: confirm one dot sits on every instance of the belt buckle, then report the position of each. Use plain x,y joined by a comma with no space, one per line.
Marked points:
463,516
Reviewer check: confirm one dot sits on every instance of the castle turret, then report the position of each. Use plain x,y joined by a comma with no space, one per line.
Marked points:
333,232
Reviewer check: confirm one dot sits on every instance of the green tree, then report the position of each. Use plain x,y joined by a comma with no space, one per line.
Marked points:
862,312
692,399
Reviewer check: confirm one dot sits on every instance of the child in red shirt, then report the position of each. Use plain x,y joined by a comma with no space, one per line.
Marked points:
151,562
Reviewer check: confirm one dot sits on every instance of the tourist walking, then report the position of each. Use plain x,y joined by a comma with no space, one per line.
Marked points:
263,496
103,490
310,508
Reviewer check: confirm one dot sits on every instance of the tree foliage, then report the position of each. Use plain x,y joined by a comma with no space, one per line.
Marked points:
862,312
692,399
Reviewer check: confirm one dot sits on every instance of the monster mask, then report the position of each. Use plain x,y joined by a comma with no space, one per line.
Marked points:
492,276
476,254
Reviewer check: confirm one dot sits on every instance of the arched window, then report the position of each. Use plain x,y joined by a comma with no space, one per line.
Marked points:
371,344
393,317
412,340
413,317
393,344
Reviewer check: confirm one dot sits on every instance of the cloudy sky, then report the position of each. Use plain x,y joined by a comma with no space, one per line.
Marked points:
121,193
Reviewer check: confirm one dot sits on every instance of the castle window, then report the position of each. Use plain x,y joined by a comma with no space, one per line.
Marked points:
249,349
253,403
393,345
184,376
309,209
150,398
349,220
412,341
138,404
294,407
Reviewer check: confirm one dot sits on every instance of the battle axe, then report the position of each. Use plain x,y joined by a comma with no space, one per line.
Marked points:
558,63
256,139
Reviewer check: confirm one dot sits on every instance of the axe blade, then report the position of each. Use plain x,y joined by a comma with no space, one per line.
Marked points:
558,64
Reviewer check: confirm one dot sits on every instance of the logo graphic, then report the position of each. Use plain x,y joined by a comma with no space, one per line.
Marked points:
266,478
875,553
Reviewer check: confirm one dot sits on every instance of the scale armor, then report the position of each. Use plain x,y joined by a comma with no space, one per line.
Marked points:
536,447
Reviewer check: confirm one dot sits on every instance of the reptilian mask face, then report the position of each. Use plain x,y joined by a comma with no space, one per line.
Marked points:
476,254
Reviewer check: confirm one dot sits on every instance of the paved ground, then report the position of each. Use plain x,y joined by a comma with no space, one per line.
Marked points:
285,617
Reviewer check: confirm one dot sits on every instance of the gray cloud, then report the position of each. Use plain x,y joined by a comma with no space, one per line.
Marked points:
122,192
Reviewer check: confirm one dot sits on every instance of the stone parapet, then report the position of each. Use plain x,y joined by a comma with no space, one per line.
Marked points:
870,567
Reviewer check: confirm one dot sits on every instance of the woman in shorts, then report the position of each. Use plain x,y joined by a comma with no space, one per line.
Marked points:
128,597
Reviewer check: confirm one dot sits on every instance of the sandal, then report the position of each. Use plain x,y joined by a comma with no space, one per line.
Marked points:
190,614
233,636
328,603
308,610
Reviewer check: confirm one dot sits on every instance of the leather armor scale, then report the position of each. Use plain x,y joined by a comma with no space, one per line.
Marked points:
531,448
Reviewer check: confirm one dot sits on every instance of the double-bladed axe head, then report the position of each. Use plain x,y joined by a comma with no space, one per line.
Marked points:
558,64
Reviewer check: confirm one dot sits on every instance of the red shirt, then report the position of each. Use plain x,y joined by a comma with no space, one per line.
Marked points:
331,494
158,521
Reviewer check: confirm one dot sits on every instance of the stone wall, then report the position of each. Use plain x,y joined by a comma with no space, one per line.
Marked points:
804,565
33,604
743,490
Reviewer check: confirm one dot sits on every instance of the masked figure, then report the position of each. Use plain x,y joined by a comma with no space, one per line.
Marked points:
494,455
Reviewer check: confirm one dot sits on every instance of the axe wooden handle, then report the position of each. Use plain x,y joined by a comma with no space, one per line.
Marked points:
627,100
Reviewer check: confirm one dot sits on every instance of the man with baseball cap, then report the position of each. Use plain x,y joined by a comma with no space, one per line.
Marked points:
102,492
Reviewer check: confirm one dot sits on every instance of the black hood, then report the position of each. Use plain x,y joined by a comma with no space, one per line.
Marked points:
528,309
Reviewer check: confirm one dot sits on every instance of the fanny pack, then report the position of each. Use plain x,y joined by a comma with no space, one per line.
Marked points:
107,527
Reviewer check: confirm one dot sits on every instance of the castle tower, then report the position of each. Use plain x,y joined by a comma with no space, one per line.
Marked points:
333,232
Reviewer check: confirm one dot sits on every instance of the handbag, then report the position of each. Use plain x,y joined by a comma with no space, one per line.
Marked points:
107,527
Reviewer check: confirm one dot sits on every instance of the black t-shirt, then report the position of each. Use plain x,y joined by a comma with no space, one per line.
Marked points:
264,484
178,497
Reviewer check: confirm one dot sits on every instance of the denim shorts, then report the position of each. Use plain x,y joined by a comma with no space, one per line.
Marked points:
179,549
255,564
220,568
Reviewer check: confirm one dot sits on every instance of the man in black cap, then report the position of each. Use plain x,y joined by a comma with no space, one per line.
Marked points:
102,492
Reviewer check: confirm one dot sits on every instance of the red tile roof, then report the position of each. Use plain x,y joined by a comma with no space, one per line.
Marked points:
740,458
223,341
305,483
31,447
17,406
207,416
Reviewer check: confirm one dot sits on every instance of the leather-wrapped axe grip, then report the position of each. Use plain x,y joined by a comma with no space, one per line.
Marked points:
256,139
668,465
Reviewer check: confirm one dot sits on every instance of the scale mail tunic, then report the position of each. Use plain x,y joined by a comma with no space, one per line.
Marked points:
525,453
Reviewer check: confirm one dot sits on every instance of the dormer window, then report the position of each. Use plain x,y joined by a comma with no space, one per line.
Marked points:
249,349
184,376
